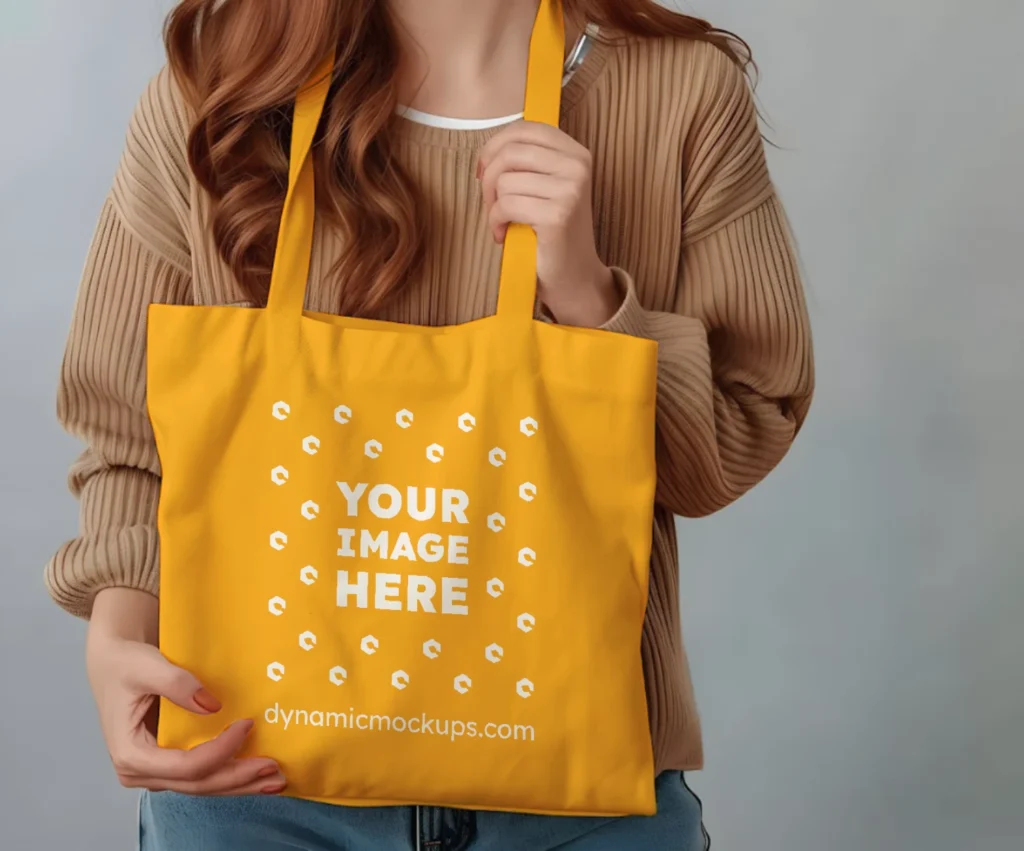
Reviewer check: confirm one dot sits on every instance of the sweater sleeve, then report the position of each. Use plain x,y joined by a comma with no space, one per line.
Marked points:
139,255
735,374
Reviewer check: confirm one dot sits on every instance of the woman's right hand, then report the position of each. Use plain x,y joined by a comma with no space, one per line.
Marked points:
128,676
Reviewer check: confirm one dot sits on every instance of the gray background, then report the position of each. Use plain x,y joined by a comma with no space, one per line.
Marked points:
855,624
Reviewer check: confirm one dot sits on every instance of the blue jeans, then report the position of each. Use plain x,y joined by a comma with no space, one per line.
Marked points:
171,822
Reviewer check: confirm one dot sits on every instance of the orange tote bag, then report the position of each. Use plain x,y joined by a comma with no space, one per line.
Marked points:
417,557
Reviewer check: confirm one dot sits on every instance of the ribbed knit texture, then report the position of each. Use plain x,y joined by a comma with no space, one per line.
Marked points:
685,212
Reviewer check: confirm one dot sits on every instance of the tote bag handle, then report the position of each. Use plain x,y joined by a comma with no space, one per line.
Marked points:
518,284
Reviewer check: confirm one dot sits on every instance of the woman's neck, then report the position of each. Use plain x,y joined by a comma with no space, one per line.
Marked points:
464,58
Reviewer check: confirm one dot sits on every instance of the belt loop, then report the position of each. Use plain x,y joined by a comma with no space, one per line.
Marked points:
466,829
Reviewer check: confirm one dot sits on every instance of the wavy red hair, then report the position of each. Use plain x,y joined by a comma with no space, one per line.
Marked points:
239,64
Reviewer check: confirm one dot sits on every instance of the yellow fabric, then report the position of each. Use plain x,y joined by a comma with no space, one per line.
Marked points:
418,557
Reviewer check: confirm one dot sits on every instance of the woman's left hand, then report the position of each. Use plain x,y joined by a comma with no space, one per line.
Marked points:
537,175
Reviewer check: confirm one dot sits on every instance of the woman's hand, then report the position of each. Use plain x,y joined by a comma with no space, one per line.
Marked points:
537,175
128,674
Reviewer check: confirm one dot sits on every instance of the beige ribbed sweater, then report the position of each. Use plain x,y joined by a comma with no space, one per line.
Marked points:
684,211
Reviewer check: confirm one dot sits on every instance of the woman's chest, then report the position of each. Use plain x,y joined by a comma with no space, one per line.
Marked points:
636,227
457,278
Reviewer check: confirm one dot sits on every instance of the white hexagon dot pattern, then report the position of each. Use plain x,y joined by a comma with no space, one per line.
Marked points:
528,426
496,522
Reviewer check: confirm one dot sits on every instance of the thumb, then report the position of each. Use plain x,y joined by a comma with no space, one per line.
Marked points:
152,674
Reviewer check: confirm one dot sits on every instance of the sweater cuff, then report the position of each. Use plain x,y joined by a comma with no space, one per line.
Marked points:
118,546
630,318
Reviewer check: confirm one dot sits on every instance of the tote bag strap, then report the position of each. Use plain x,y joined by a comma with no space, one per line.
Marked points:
518,284
517,290
295,233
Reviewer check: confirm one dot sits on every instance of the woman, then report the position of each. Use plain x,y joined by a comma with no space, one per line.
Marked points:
655,217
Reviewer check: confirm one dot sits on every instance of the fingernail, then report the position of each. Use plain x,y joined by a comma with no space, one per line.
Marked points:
248,724
274,789
266,772
206,701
